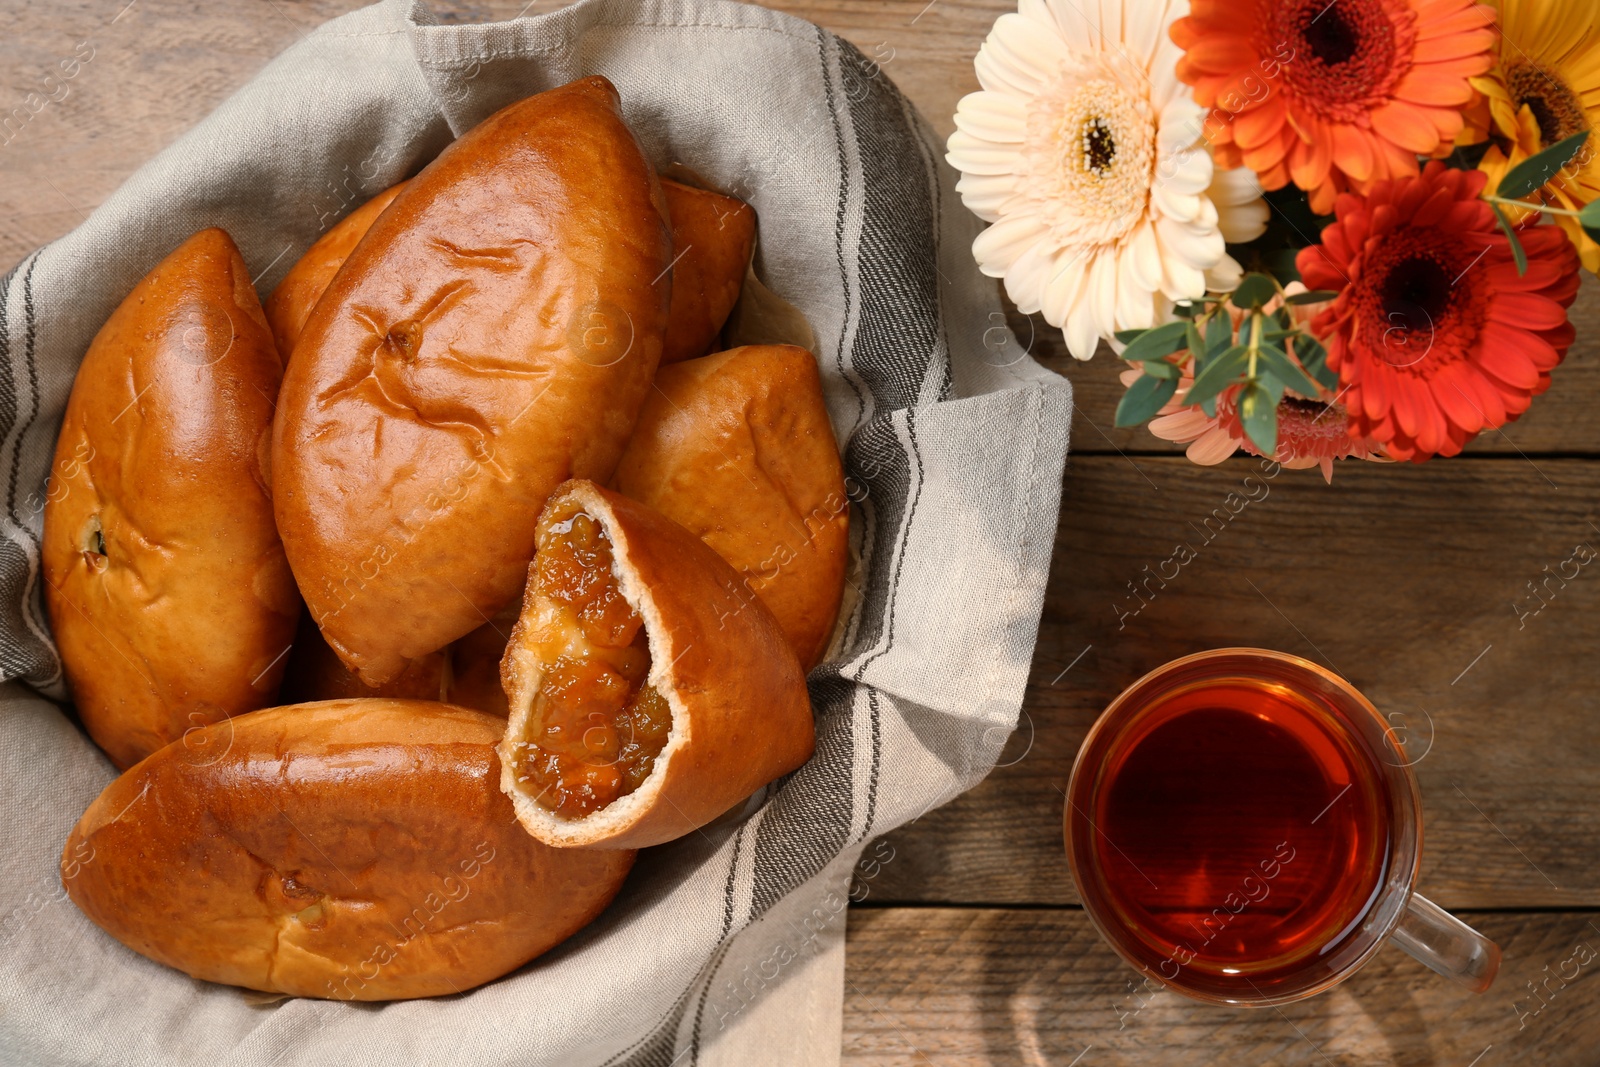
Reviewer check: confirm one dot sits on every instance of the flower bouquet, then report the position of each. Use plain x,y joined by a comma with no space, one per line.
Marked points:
1314,229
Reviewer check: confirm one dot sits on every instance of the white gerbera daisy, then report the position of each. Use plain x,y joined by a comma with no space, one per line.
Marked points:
1087,154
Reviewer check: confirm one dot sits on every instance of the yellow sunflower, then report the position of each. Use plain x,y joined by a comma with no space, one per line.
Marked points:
1545,87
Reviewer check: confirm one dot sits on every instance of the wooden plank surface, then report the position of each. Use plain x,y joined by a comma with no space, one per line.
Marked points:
1403,578
1399,577
962,987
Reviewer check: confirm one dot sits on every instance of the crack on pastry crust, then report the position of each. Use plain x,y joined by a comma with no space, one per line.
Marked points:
559,205
402,345
500,260
488,366
780,485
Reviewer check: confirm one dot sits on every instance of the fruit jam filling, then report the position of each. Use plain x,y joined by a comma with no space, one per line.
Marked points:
597,728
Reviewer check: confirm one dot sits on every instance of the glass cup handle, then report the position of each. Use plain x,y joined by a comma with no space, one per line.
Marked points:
1449,946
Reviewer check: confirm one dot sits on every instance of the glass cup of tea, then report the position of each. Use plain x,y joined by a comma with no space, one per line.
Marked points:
1245,828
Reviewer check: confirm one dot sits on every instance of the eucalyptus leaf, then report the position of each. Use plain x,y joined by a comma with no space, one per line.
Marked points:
1517,251
1258,411
1219,333
1253,291
1315,296
1217,375
1284,369
1161,341
1160,368
1192,306
1537,169
1144,398
1589,219
1314,358
1272,384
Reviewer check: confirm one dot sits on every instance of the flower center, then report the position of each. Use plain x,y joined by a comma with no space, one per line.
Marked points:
1311,429
1090,157
1346,54
1416,299
1556,108
1099,146
1332,38
1307,429
1415,295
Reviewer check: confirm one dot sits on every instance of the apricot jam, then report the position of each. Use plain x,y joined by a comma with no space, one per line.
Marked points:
597,728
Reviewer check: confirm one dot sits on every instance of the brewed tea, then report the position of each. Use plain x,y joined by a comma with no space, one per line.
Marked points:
1239,830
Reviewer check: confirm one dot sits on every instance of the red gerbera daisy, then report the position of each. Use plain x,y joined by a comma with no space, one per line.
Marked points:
1434,335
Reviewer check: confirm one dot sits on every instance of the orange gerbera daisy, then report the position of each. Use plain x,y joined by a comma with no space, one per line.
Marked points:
1434,335
1333,93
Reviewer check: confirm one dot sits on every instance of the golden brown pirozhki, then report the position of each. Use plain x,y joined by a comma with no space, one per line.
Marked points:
475,664
737,448
291,302
650,691
351,849
493,334
168,591
713,237
315,672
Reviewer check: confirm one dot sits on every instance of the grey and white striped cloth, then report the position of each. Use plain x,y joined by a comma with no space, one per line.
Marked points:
725,947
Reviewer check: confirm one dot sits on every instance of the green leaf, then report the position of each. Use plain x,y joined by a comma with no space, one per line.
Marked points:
1189,307
1153,344
1217,375
1517,251
1253,291
1282,367
1258,411
1589,219
1160,368
1144,398
1128,336
1219,333
1315,296
1193,341
1314,358
1539,168
1272,385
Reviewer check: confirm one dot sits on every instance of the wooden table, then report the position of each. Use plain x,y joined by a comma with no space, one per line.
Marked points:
968,946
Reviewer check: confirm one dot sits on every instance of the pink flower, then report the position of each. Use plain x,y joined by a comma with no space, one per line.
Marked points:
1312,432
